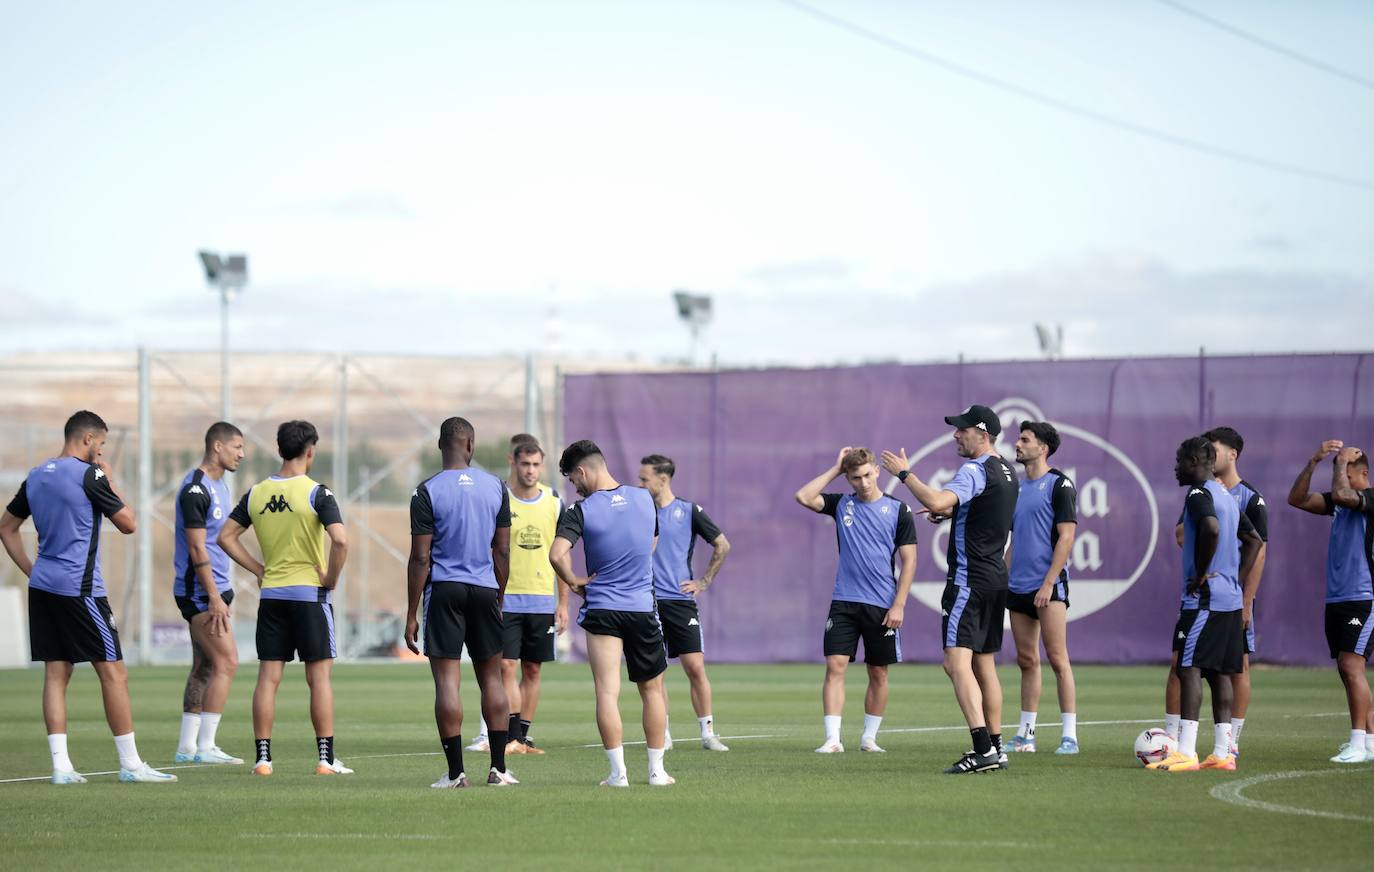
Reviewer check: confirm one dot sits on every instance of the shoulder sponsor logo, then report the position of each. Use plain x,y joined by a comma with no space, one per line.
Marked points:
1196,490
415,493
99,474
1118,514
50,467
195,489
327,492
1260,501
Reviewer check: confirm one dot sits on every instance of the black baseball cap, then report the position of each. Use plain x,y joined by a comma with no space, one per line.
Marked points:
976,416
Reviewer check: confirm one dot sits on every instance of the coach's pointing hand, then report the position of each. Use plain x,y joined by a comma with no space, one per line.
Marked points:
895,463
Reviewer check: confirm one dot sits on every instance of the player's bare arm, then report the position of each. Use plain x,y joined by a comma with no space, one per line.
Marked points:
1300,495
720,548
560,558
14,543
1063,547
1342,494
810,493
200,564
938,502
338,555
897,612
231,540
500,560
417,572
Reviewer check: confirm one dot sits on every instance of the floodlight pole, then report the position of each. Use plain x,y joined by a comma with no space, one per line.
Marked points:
224,352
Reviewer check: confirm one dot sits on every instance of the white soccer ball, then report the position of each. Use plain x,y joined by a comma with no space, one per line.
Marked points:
1153,745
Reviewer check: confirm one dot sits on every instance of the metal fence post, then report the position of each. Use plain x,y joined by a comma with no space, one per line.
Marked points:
145,509
531,397
341,493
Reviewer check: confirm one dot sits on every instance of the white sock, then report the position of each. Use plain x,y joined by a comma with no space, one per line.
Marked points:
1070,720
1221,747
656,762
57,744
1357,738
871,724
1236,724
209,723
190,728
1027,728
617,758
1187,737
832,728
128,752
708,727
1171,725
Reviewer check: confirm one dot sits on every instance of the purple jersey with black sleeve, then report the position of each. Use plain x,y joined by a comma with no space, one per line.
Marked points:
617,528
202,504
1350,551
868,536
461,509
986,490
66,497
680,523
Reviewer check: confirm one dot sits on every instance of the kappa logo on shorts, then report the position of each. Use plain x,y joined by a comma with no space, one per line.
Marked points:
111,621
890,632
829,623
551,632
1182,635
1355,622
694,623
276,504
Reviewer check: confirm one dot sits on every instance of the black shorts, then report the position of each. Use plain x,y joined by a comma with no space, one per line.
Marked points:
1214,641
1348,628
192,606
972,618
528,637
681,626
458,614
72,629
290,627
641,634
1024,603
849,622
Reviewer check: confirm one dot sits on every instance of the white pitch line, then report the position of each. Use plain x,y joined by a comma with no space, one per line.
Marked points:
412,837
729,738
1233,792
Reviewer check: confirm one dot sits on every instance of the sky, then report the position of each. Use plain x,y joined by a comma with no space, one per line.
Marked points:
477,178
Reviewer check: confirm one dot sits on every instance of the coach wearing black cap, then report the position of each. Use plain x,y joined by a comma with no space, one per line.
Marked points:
979,501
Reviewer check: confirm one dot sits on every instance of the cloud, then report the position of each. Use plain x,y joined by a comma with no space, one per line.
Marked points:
817,269
1271,242
358,206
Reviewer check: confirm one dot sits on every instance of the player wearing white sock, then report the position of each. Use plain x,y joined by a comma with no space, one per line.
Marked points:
871,529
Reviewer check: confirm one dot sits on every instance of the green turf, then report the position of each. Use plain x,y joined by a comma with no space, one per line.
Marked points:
770,802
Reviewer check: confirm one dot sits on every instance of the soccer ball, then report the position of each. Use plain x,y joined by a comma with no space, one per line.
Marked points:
1153,745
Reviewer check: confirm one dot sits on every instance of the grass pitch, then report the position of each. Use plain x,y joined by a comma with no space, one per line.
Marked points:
769,803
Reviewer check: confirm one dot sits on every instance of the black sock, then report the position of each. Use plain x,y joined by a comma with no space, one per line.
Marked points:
524,730
996,741
498,748
982,742
513,728
264,750
453,752
326,745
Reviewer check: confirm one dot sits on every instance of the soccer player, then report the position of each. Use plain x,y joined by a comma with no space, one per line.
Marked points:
618,526
1038,586
69,615
204,593
1210,635
1228,444
292,514
459,561
1349,590
679,524
535,607
980,501
872,530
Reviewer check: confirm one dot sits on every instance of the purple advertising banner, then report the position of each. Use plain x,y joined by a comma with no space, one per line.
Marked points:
745,441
